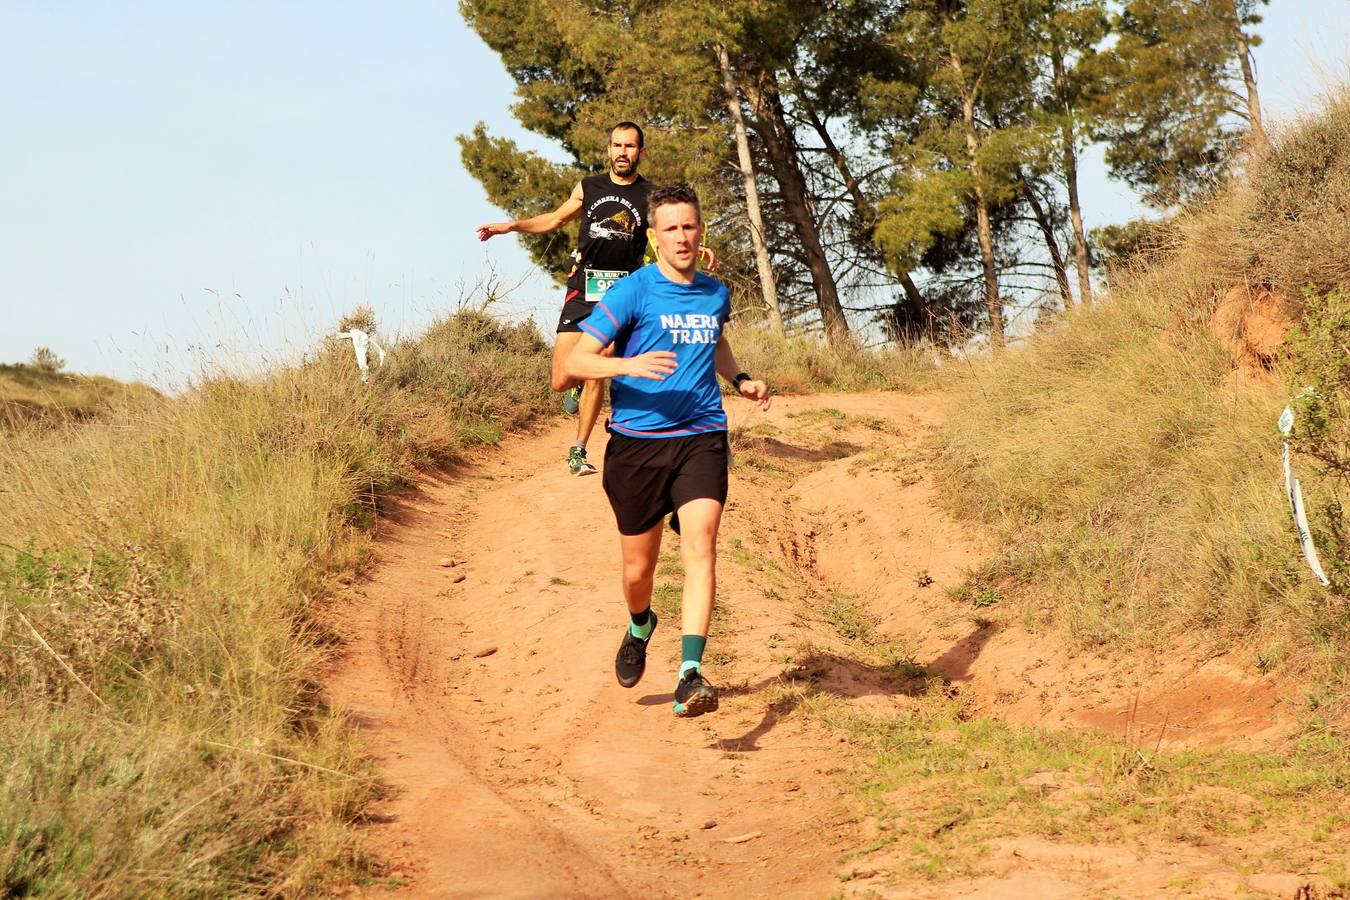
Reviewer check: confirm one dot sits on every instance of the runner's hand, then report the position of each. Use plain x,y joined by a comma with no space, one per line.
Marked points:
757,391
487,231
656,365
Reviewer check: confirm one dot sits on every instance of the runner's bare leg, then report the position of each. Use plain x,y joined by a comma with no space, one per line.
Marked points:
562,346
699,521
640,552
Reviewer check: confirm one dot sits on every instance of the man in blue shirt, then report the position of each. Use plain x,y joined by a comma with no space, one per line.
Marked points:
667,451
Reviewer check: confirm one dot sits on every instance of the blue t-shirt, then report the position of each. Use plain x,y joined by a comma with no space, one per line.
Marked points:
647,311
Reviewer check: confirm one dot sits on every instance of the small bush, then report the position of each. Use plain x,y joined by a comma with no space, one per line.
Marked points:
362,317
44,359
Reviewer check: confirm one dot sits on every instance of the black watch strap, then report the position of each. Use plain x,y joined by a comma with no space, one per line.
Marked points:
740,376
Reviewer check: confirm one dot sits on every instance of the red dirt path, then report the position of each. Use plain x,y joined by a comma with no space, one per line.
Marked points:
519,768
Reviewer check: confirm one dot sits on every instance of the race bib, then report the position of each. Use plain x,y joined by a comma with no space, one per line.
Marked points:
600,280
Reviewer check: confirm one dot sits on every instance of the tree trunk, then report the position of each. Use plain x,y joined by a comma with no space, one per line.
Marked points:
778,141
1080,251
992,301
914,301
768,287
1051,242
1249,77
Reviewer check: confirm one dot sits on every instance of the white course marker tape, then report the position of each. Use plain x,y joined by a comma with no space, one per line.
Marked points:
1295,493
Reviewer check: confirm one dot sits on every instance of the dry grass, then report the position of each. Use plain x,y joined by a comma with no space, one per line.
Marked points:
805,365
161,569
33,396
1134,475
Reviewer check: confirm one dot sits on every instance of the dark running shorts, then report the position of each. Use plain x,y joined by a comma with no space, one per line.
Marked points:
574,312
646,478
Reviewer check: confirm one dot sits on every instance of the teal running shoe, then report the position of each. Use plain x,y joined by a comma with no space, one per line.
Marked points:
576,461
572,400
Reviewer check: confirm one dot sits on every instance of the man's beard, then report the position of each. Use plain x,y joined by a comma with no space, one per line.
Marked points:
630,167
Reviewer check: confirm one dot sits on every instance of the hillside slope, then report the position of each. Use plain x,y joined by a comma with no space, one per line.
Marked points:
29,394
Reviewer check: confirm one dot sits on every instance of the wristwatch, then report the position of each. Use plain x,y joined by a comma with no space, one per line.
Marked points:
740,376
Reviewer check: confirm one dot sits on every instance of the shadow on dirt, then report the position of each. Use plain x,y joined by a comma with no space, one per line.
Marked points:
839,676
772,447
405,506
954,665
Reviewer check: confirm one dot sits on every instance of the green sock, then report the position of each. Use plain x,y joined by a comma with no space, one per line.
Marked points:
691,652
643,631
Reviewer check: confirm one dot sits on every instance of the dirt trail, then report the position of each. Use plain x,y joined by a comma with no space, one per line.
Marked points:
519,768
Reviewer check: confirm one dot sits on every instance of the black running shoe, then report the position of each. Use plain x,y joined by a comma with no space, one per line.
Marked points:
694,696
631,660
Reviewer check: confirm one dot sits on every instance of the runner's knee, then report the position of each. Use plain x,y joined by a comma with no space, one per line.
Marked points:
638,571
698,549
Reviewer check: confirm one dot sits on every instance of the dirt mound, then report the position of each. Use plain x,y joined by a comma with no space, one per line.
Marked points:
1252,324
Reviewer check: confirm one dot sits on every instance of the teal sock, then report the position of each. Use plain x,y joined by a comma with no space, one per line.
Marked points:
643,631
691,652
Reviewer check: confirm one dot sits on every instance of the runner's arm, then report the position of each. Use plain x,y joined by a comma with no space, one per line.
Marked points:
587,362
540,224
728,368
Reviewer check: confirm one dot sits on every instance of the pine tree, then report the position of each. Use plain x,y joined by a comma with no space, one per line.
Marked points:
1243,13
1175,123
1075,100
971,122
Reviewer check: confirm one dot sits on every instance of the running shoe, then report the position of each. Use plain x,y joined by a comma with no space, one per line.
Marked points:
694,696
572,400
631,660
576,461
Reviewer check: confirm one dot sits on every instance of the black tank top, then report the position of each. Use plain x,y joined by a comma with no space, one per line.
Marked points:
613,228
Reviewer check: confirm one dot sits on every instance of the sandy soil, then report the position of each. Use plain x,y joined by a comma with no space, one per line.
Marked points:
480,664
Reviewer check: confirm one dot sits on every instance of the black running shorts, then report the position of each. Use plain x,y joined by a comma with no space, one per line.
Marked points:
574,312
646,478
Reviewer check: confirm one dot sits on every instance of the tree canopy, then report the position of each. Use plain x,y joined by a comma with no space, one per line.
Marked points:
915,162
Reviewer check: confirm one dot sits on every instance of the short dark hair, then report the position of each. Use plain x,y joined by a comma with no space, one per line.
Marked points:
670,194
629,126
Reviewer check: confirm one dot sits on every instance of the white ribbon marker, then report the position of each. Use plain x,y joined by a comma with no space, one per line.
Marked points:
360,342
1291,486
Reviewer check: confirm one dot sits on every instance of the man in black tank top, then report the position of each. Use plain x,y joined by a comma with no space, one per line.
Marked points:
612,243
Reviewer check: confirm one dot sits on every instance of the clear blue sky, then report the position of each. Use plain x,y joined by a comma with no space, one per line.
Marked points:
179,181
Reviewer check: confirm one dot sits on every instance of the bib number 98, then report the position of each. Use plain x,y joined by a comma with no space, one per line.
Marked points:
598,281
